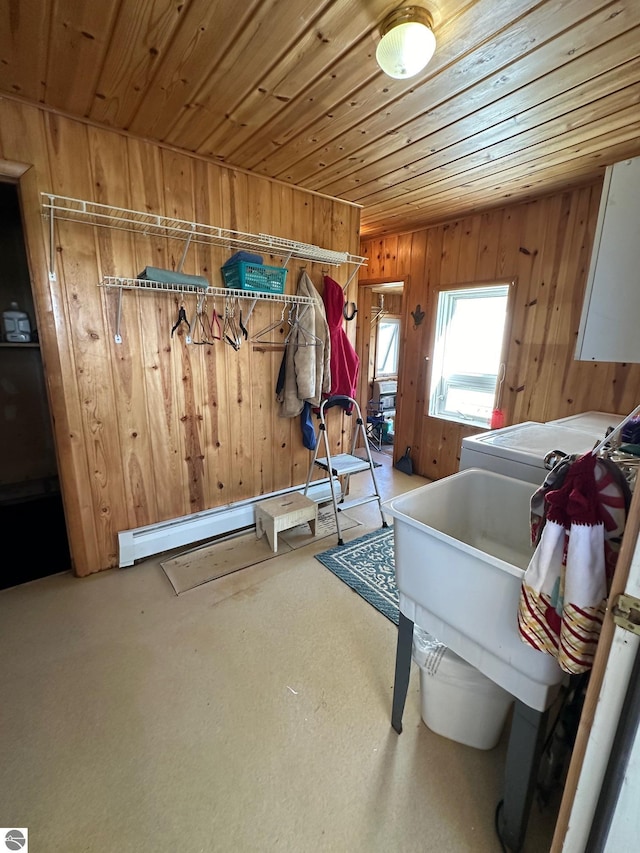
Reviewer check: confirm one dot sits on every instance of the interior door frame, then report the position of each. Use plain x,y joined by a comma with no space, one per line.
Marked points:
363,337
24,176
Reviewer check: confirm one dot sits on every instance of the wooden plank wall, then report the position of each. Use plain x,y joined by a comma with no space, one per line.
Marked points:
153,428
545,246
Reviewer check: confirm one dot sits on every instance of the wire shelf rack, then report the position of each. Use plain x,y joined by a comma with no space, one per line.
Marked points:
182,289
106,216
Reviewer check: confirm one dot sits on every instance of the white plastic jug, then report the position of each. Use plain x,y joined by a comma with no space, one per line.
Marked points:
16,325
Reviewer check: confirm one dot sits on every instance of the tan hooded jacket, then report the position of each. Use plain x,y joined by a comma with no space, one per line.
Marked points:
307,372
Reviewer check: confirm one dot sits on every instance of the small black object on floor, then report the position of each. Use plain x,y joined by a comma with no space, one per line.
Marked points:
34,540
405,464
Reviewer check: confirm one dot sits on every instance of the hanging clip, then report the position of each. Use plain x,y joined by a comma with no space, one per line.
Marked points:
229,328
243,328
201,325
182,318
215,326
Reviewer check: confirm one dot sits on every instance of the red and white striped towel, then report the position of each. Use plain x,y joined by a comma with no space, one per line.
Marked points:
565,587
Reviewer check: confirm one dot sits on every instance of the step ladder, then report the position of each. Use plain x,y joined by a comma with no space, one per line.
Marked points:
344,464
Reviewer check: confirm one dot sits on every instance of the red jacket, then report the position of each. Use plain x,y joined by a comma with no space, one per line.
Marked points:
345,364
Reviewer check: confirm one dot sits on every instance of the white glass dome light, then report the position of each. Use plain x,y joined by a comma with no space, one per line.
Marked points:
407,42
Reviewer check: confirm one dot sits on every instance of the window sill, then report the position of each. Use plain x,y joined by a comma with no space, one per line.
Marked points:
461,421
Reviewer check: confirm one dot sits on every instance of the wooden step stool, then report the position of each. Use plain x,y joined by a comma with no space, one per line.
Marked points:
283,513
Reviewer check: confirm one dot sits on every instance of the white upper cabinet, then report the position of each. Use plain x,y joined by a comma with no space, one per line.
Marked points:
610,322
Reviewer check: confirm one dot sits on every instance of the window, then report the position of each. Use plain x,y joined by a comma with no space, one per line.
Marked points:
470,330
387,343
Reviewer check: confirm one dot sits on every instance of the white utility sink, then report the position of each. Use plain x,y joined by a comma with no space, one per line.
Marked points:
462,545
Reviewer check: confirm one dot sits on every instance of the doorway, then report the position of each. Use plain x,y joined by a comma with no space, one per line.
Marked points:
32,519
378,342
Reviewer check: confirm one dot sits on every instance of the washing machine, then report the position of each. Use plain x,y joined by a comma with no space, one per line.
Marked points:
591,422
519,451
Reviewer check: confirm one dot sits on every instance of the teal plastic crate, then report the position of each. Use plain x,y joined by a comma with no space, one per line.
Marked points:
256,277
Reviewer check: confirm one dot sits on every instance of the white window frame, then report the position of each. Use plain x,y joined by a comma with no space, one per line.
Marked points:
483,382
394,321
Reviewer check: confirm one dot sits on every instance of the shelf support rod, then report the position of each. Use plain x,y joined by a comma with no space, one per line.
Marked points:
118,337
186,249
52,248
250,311
352,275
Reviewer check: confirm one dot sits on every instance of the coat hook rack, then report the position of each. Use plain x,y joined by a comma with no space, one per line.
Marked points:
226,293
349,312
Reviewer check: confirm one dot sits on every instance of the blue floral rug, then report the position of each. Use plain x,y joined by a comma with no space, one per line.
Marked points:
367,565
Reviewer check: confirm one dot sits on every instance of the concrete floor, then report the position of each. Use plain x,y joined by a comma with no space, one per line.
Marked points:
249,714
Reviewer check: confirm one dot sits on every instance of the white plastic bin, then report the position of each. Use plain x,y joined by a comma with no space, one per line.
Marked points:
456,700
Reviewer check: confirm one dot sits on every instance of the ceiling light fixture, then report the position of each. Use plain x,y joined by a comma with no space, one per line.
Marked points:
407,42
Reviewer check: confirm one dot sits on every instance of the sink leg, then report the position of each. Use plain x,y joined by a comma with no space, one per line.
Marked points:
403,670
526,741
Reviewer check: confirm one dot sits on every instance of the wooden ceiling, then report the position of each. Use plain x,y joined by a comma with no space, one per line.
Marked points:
521,98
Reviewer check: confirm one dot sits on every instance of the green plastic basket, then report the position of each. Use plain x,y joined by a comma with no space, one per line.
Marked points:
256,277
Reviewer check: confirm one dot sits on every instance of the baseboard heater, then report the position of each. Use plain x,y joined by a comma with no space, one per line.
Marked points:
143,542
